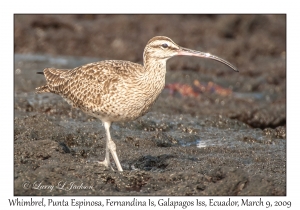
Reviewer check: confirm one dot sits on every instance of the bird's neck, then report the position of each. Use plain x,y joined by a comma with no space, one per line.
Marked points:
154,74
155,69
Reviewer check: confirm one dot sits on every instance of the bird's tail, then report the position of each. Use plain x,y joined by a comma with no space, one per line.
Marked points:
42,89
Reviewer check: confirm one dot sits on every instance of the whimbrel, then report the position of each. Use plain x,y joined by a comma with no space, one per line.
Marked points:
114,90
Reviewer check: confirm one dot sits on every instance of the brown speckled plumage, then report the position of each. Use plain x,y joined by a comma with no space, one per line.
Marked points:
112,90
115,90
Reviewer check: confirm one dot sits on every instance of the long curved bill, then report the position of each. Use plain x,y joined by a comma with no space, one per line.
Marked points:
189,52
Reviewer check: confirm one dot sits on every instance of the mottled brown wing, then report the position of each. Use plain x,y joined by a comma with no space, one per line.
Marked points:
87,86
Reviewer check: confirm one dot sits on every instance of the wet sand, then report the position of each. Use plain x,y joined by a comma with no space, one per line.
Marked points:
212,144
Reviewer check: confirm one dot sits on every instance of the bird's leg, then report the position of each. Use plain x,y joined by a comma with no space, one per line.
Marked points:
111,146
106,161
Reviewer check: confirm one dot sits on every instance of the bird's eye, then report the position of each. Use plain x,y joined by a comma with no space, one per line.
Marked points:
164,45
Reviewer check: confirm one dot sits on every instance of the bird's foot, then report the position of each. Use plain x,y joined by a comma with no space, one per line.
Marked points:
106,164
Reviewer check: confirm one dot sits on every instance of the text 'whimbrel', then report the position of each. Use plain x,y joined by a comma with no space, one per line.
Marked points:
116,90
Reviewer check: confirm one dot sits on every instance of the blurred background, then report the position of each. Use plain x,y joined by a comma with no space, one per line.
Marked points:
246,40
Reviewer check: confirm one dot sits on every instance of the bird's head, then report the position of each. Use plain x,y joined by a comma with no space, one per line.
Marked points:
161,48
